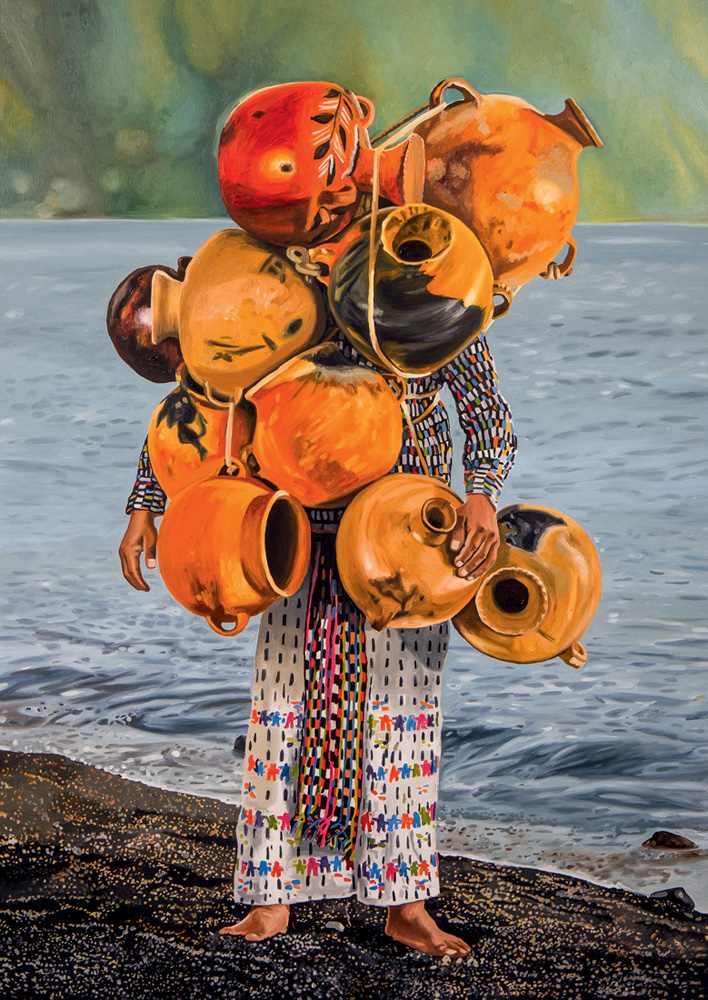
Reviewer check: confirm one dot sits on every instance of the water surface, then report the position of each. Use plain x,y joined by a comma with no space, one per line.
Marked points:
606,373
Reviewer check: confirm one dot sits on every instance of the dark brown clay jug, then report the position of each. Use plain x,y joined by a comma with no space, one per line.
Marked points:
129,323
510,173
541,594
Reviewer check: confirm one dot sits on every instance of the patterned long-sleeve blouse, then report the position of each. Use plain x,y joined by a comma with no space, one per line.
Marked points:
484,415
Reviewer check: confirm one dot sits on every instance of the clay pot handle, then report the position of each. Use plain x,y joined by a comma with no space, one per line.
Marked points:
565,268
500,308
368,110
304,262
237,468
397,385
241,622
469,94
575,655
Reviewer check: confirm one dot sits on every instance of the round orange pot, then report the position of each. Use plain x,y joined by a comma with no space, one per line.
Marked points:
541,594
325,428
393,552
187,439
510,173
228,547
241,311
433,288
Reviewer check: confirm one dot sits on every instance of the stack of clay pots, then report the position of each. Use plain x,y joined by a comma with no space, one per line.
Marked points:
409,249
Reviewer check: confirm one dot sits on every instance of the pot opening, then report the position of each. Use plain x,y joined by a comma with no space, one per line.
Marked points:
282,539
438,514
413,251
511,596
419,237
512,601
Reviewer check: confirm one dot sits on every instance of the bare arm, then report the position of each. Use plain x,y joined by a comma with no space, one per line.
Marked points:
140,538
146,502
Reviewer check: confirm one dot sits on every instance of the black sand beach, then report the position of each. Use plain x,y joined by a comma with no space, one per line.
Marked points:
113,889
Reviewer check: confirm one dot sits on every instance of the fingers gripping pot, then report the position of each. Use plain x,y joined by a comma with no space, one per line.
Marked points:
541,594
393,553
187,438
294,160
325,428
241,311
432,288
229,547
510,173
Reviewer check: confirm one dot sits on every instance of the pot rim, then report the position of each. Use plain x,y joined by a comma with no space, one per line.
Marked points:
294,504
406,212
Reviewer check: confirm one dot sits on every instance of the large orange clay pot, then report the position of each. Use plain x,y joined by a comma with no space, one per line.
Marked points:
510,173
541,594
187,438
129,323
228,547
393,552
295,158
325,428
241,311
433,288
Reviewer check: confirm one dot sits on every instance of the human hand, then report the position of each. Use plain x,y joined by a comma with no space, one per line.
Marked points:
474,540
140,537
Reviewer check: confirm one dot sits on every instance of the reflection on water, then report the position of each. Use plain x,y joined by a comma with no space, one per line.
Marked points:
606,376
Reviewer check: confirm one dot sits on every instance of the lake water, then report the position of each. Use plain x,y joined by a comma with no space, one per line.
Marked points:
606,373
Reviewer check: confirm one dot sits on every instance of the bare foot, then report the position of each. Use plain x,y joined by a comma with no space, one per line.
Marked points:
261,922
411,924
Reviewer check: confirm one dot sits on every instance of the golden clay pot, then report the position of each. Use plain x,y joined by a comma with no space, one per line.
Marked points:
229,547
433,288
393,553
187,439
541,594
241,311
510,173
325,428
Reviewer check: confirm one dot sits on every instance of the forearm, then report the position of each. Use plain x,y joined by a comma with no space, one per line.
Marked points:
147,493
485,418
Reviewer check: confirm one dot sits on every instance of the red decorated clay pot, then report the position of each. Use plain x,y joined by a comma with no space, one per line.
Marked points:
295,158
510,173
129,322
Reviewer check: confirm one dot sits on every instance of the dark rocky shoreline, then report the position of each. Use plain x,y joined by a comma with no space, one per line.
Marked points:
113,889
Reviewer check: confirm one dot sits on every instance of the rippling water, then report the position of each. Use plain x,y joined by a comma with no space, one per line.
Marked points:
606,376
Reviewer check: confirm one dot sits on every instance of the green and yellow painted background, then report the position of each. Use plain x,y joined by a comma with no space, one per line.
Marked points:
114,107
